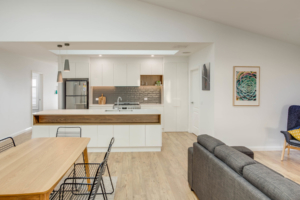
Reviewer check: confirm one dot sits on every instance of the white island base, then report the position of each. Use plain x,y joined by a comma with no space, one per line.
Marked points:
137,136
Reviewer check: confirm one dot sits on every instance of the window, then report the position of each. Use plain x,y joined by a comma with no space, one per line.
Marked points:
35,95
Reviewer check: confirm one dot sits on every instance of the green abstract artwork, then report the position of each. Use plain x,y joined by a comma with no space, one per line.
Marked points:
246,85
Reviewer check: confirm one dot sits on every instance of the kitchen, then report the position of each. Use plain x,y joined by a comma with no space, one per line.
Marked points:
131,84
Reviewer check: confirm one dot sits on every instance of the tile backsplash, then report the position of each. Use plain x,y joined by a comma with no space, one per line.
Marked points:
128,94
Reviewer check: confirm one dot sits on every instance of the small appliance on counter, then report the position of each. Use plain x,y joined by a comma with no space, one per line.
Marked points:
127,105
102,100
76,94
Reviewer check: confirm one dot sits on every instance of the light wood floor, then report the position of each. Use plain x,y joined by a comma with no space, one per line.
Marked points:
163,175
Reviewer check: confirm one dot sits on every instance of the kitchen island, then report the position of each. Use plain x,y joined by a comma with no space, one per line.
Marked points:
134,130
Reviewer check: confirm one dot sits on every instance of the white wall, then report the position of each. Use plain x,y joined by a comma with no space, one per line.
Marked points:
15,84
134,21
206,98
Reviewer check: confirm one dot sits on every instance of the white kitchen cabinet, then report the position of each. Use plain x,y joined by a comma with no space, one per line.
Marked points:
146,69
53,130
90,132
120,75
40,131
82,70
105,133
137,135
71,73
153,135
108,75
96,74
157,69
122,135
176,96
133,75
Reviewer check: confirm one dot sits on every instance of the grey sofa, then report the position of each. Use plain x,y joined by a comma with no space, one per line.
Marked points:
219,172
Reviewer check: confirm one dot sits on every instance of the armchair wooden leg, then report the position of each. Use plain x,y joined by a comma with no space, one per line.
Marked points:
289,149
283,150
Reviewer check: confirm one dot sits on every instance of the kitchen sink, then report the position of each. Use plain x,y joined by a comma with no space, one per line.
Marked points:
125,110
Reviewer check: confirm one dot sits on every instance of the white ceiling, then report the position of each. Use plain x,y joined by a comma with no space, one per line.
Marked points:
279,19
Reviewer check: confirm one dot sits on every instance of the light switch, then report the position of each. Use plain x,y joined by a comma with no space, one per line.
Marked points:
145,98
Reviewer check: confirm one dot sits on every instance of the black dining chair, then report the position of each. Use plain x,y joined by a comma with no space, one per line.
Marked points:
6,144
85,190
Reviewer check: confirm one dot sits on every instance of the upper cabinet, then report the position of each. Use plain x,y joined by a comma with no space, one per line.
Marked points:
82,70
133,75
108,74
152,69
79,67
123,71
120,75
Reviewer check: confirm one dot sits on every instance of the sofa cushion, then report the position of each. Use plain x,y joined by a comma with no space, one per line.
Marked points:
233,158
209,142
270,183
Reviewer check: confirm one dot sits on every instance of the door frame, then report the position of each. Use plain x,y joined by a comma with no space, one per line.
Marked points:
190,95
42,86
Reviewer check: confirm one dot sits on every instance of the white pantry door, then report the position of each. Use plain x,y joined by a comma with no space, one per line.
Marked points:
195,109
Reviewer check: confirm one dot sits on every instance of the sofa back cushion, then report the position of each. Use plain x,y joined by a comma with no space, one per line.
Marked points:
209,142
270,183
233,158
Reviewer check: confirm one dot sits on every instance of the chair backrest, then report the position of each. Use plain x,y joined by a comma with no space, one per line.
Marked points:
293,117
100,172
107,153
6,144
68,132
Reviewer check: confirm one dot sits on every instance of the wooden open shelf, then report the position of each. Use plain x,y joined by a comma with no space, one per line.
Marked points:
151,79
97,119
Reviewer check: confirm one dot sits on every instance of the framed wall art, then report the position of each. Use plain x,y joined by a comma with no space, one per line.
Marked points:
246,86
206,77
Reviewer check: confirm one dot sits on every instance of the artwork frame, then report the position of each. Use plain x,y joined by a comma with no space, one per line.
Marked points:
246,85
206,77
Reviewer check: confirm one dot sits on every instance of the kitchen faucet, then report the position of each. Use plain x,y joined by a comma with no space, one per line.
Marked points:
118,102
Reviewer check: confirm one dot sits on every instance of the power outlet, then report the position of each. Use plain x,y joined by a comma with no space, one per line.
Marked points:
145,98
97,99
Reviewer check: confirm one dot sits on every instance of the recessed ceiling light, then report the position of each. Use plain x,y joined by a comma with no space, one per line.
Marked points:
152,55
100,55
116,52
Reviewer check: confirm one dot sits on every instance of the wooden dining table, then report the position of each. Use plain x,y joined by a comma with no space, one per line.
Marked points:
33,169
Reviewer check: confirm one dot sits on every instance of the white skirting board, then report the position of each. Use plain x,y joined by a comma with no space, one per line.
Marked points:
125,149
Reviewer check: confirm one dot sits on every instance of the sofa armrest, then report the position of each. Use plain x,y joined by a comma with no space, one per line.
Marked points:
287,136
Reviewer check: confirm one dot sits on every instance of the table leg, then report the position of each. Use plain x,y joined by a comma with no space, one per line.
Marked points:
87,169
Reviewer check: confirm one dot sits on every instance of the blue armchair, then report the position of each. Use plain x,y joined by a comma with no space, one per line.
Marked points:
293,122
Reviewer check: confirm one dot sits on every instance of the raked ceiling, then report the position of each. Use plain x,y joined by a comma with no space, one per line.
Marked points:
279,19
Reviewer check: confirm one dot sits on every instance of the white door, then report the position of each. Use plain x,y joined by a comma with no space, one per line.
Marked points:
195,91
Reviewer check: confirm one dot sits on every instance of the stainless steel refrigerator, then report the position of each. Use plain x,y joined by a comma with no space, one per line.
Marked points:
76,94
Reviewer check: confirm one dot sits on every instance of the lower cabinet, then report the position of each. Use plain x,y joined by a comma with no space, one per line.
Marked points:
125,135
121,134
153,135
137,135
105,133
40,131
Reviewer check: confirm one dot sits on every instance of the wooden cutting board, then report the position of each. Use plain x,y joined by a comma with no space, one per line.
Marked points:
102,100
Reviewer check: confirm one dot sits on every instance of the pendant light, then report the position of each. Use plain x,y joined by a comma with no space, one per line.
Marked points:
59,74
67,64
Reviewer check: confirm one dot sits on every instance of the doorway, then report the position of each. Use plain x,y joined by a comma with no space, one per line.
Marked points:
36,92
194,96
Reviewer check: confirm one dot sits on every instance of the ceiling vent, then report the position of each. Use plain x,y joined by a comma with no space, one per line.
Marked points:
182,46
